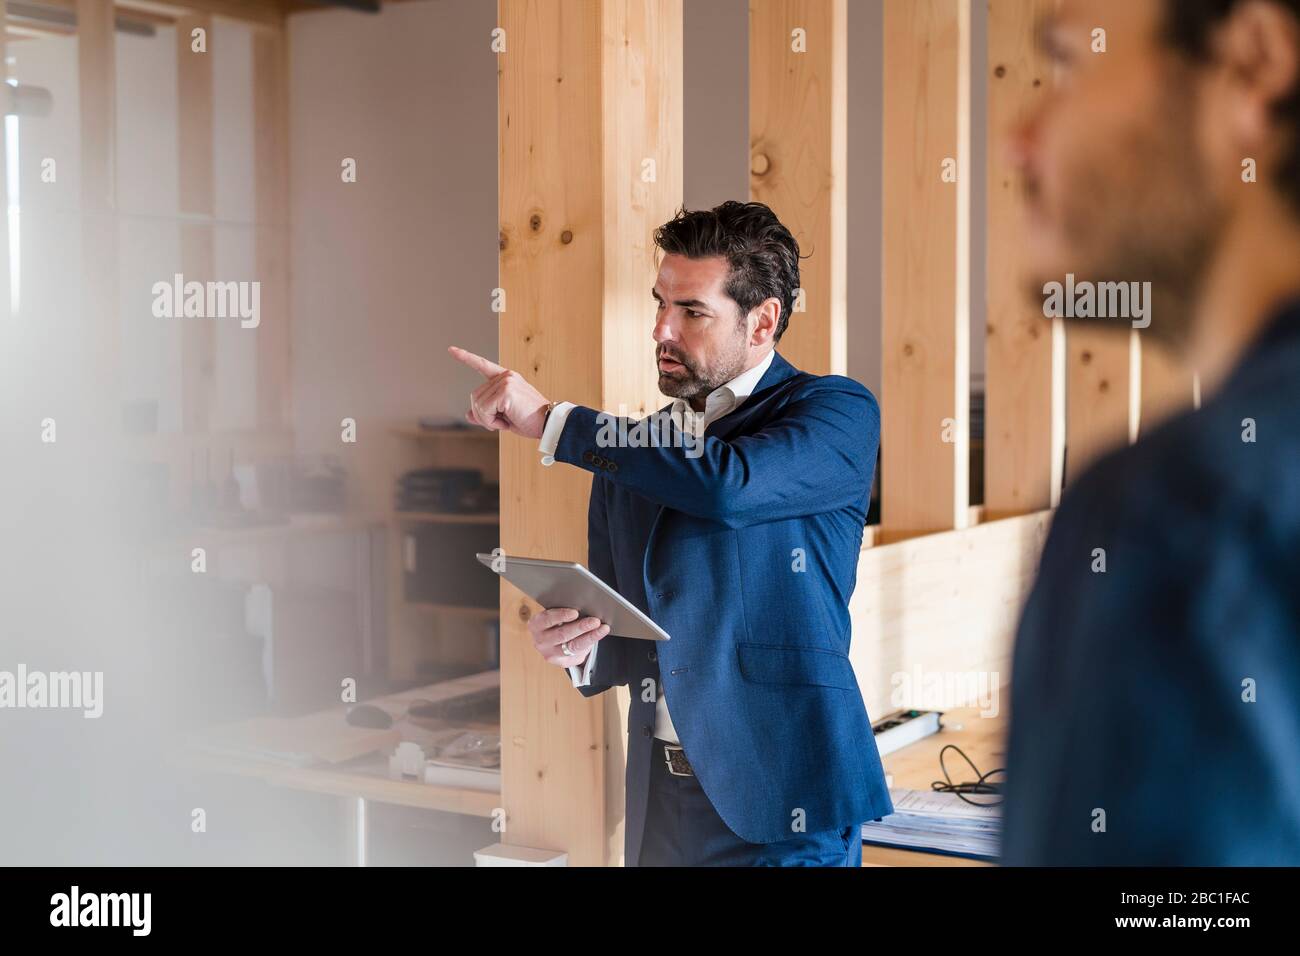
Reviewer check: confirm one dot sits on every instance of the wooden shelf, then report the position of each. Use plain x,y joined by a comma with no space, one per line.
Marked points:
424,632
359,767
368,783
407,793
434,517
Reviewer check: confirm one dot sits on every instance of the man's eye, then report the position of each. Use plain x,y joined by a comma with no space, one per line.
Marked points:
694,315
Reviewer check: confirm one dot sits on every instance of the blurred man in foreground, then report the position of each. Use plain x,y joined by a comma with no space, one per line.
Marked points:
1156,703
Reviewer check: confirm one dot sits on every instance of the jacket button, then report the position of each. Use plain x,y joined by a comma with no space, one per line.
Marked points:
651,656
612,466
587,457
648,730
598,461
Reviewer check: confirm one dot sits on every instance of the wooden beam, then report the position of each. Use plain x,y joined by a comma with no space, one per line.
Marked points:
27,28
945,604
123,16
1103,389
577,214
798,122
17,33
271,212
642,94
196,158
262,14
926,275
1168,385
1024,404
97,84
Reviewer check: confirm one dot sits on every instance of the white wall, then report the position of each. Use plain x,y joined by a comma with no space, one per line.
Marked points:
390,270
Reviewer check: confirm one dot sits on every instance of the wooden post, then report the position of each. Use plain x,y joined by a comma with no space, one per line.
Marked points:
926,276
1103,394
97,83
798,122
577,264
196,159
1024,406
271,198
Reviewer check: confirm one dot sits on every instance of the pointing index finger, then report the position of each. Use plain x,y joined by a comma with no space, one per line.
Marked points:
478,363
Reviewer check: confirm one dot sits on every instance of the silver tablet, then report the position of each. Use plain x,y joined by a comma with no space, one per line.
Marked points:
566,584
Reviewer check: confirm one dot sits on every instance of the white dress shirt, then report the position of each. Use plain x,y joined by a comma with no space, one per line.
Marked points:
723,400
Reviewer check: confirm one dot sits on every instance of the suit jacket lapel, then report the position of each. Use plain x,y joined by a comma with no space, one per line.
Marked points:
776,373
779,371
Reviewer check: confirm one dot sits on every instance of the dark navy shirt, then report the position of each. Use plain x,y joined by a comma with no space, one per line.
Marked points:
1155,706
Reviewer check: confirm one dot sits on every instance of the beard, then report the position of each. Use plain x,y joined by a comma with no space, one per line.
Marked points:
1143,212
697,378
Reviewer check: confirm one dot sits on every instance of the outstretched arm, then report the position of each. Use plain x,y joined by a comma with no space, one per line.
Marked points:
817,456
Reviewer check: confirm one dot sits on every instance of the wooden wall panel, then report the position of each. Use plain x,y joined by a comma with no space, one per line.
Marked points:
1024,406
926,279
798,121
570,205
943,604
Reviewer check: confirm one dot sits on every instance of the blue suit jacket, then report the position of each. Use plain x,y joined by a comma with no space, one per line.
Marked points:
1131,689
757,672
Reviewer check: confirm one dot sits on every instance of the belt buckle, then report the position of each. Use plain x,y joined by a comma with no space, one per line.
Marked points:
678,765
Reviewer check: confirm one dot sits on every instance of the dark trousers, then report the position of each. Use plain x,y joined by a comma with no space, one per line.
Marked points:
683,829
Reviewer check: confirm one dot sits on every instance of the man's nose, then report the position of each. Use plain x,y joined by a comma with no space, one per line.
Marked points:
663,330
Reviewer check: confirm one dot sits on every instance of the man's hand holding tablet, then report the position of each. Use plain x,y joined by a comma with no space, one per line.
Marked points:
551,628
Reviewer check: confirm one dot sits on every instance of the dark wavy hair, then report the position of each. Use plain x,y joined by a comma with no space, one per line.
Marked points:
762,255
1189,25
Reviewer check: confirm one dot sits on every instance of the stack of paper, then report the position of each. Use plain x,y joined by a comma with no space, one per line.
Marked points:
939,823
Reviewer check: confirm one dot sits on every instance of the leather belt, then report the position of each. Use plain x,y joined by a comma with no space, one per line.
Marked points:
675,757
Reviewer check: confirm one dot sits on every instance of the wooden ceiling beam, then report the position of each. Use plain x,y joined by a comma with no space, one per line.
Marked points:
18,18
265,14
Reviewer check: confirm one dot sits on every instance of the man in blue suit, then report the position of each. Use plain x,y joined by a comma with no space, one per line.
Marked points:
1155,713
734,519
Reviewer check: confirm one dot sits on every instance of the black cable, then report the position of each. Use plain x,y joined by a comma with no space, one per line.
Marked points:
980,786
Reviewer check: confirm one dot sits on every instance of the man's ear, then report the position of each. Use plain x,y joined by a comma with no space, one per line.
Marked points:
1260,45
767,316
